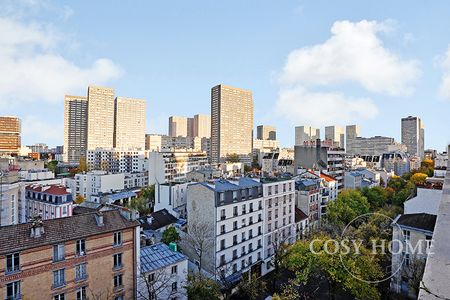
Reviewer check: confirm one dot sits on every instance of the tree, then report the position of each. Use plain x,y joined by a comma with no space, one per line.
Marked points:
52,166
82,166
170,235
377,196
157,285
251,288
233,158
419,178
337,269
280,251
348,205
145,202
414,273
406,192
199,288
79,199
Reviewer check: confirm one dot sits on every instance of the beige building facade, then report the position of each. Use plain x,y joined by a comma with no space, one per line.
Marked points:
231,123
202,126
100,130
129,123
178,126
266,132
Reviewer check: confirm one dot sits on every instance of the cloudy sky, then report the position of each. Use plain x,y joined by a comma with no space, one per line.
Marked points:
307,62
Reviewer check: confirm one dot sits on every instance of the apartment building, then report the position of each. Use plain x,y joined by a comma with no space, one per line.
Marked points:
172,166
129,123
100,118
48,201
261,147
10,135
231,123
306,134
91,255
75,128
9,198
336,134
153,142
357,180
351,133
115,160
163,273
266,132
178,126
172,196
413,135
202,126
95,182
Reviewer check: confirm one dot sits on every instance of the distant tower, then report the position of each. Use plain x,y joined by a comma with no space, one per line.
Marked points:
75,128
413,132
10,131
306,134
335,134
129,123
178,126
351,132
265,132
100,126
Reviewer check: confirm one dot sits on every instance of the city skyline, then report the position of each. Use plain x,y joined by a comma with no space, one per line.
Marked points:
414,73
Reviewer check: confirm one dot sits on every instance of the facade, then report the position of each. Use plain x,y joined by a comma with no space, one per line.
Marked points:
351,133
414,233
9,198
202,126
172,197
129,123
100,125
95,182
10,132
266,132
47,201
163,273
96,260
172,166
153,142
306,134
413,131
376,145
357,180
115,160
261,147
427,200
231,123
75,128
397,162
178,126
335,134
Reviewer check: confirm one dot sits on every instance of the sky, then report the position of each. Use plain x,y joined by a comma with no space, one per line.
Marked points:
307,62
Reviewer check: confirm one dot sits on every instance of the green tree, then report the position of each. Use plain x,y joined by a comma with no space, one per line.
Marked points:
348,205
199,288
170,235
52,166
397,183
337,269
251,288
404,193
233,158
377,196
145,202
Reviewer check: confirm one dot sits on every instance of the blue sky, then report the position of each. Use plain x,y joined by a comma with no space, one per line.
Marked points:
307,62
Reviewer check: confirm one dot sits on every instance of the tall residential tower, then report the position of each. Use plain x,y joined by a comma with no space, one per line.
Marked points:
129,123
75,128
10,129
305,134
413,135
100,125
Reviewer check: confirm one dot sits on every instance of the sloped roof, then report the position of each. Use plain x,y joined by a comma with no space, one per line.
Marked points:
299,215
159,219
421,221
54,189
158,256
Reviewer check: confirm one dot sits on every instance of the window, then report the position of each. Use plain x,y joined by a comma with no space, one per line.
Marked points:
250,233
59,278
222,229
58,252
250,221
259,204
60,297
117,260
234,254
13,290
119,297
407,235
118,281
234,268
243,250
222,244
81,247
235,211
251,207
117,238
174,286
174,269
235,241
222,214
12,263
243,209
235,225
81,293
243,236
151,277
80,272
222,259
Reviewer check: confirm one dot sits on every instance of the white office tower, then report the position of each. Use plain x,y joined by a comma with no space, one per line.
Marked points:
306,134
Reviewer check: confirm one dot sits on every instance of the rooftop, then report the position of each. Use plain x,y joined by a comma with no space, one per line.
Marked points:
54,189
158,256
17,237
157,220
421,221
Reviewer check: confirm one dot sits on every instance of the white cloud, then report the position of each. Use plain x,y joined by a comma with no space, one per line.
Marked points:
38,129
354,53
301,106
444,87
33,70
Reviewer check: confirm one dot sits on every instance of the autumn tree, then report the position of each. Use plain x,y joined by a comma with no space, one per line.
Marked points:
250,288
79,199
233,158
82,166
418,178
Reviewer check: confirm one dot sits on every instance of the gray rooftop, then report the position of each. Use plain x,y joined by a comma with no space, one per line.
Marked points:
158,256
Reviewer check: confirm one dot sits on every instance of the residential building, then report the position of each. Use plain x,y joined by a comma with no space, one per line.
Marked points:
75,128
427,201
266,132
129,123
351,133
335,134
301,223
202,126
95,182
178,126
376,145
33,175
115,160
261,147
39,148
306,134
440,165
172,166
163,273
396,161
84,256
47,201
274,162
413,135
231,123
135,180
190,127
100,114
357,180
181,142
413,234
9,198
10,132
172,197
153,142
203,174
323,157
156,223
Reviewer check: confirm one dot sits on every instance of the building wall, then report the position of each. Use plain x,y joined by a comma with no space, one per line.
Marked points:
37,268
202,126
178,126
351,133
335,134
306,134
266,132
75,128
413,135
153,142
129,123
9,202
231,123
100,132
10,132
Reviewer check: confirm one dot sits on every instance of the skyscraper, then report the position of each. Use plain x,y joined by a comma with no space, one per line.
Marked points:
178,126
351,132
190,127
335,134
202,126
75,128
413,132
306,134
231,123
265,132
129,123
100,126
10,130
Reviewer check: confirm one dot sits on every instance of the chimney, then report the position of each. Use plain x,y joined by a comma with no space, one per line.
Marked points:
37,227
99,219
